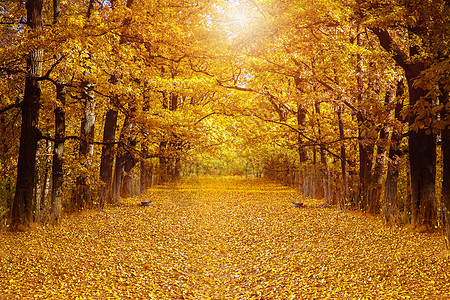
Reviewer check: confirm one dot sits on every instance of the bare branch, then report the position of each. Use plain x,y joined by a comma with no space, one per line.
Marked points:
47,75
202,118
11,106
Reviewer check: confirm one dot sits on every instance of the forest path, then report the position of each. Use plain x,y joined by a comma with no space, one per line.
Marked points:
222,238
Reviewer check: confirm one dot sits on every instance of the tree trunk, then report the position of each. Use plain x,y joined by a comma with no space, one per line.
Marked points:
323,167
124,160
365,146
422,142
380,159
107,158
445,200
163,163
83,190
30,134
128,165
391,205
302,152
343,157
146,172
58,150
422,158
121,156
41,206
118,175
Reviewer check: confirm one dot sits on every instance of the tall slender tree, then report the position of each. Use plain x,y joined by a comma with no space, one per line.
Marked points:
60,128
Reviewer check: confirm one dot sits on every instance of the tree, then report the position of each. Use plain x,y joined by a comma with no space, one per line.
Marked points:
60,128
422,141
30,134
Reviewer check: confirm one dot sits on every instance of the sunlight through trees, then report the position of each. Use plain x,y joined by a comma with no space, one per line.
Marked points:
347,101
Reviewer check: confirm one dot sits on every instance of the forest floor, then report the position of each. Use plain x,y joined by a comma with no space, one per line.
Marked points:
223,238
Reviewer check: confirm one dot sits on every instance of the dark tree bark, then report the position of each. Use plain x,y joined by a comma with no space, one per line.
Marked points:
146,171
343,154
391,205
57,168
22,206
124,160
302,152
107,158
365,146
421,143
324,167
128,165
110,193
58,148
379,161
118,175
365,143
445,136
56,10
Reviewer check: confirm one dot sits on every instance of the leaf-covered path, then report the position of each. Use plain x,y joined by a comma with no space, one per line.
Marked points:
222,238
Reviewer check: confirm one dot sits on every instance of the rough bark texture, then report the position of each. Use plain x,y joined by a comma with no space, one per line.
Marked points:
83,190
58,148
57,168
422,159
129,163
42,180
124,160
391,205
376,195
23,199
107,158
365,144
421,143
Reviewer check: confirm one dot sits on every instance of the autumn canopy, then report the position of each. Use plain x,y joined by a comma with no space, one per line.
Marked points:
345,100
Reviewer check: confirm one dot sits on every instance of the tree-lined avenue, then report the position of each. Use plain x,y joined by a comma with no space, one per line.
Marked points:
222,238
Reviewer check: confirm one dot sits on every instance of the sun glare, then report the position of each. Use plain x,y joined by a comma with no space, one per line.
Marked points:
239,17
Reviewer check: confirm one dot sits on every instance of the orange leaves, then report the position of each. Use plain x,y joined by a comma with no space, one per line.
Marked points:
222,238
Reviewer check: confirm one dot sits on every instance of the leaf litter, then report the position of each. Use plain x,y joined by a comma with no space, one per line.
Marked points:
222,238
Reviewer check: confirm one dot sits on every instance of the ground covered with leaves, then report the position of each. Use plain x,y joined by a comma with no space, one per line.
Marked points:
222,238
